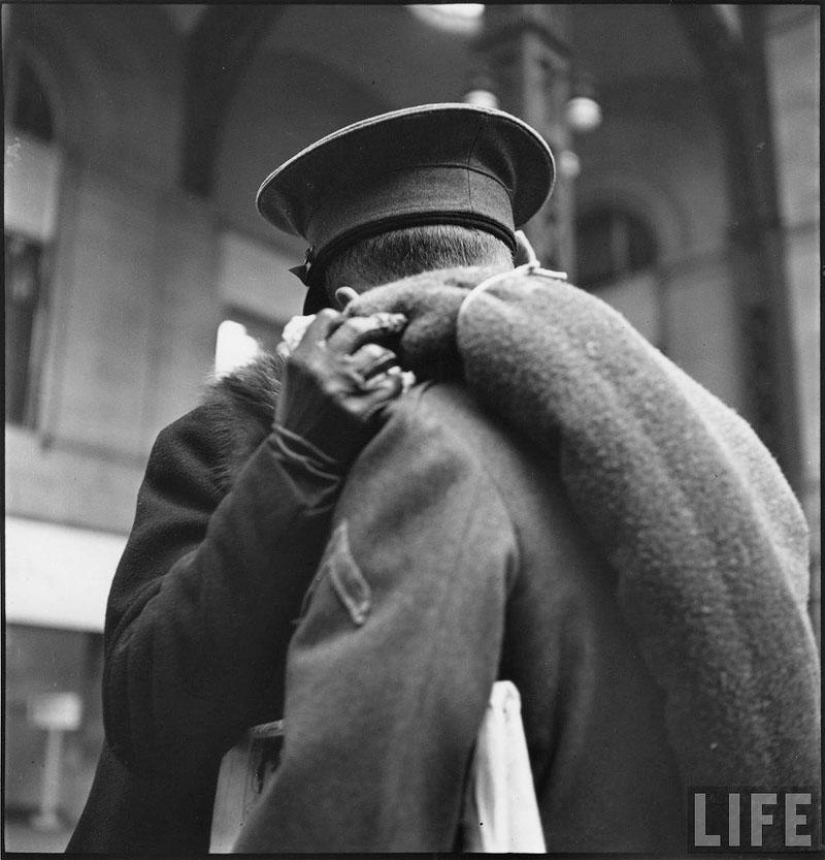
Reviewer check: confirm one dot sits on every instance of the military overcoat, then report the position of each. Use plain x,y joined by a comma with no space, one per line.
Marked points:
454,560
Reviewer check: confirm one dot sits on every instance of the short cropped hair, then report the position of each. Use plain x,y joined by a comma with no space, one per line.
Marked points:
409,251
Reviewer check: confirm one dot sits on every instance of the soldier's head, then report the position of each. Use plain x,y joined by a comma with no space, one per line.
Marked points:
424,188
407,251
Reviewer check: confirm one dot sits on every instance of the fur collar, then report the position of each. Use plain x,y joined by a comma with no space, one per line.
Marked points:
244,405
244,401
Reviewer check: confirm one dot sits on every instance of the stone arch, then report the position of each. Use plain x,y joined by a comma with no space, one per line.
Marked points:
218,53
110,70
45,60
267,123
643,198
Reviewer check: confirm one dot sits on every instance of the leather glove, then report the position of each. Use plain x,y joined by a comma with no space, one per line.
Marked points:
430,302
338,381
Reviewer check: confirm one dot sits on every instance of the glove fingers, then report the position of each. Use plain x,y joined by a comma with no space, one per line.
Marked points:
372,359
378,392
356,331
319,329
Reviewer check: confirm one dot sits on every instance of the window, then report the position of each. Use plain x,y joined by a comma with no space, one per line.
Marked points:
24,318
612,243
30,202
30,109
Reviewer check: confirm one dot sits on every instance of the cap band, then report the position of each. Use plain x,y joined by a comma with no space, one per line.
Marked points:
312,270
428,191
431,164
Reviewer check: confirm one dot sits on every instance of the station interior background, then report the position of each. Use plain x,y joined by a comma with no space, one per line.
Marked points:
136,265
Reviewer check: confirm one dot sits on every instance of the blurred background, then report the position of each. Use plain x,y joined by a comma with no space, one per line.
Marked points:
136,136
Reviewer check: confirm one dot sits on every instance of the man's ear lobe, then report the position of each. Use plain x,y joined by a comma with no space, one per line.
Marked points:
343,296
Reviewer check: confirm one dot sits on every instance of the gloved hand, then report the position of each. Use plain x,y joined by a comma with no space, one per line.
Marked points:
430,302
337,382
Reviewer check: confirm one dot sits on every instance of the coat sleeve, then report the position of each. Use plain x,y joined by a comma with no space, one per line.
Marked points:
392,665
204,599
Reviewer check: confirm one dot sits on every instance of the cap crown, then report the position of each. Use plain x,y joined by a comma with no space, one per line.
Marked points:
443,163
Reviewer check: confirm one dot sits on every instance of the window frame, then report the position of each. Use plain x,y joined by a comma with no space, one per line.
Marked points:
25,413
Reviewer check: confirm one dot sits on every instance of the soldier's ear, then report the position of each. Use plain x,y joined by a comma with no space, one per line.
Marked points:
343,296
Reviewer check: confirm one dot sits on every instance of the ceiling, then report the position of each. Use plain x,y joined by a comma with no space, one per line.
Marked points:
408,61
385,49
391,54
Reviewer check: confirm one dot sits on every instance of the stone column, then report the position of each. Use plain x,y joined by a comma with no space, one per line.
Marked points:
5,25
525,50
738,75
736,78
792,47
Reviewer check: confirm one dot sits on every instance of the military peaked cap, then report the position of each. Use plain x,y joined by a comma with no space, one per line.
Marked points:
432,164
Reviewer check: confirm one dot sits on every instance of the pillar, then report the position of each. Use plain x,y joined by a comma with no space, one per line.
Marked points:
525,49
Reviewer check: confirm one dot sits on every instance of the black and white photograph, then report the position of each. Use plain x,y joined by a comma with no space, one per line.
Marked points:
412,429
